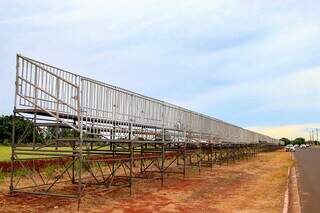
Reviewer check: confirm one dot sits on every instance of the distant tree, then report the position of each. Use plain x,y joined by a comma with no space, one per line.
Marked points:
286,141
23,128
68,133
62,132
5,129
299,141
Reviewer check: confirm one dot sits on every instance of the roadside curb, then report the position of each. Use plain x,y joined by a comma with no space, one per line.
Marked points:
295,190
292,198
286,195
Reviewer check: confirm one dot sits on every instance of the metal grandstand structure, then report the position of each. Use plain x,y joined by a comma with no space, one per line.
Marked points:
101,134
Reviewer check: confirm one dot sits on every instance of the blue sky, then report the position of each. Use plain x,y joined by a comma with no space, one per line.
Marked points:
252,63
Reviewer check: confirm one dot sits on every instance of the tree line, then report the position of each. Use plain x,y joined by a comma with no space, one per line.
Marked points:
24,131
298,141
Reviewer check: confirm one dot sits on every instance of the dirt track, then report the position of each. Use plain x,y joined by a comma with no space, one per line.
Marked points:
255,185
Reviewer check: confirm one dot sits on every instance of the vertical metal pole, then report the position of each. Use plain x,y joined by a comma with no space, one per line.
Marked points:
178,153
184,159
80,156
199,158
190,155
162,161
73,166
234,149
254,150
74,152
310,135
211,146
220,154
243,151
57,111
313,135
163,148
113,148
113,157
12,150
141,155
13,144
131,147
34,130
227,153
35,107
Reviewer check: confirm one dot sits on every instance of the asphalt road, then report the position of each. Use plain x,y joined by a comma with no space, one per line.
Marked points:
308,175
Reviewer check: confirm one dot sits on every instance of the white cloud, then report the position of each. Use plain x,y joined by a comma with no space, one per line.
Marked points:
291,131
206,55
296,90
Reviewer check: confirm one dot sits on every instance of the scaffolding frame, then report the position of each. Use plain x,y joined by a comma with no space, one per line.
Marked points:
114,135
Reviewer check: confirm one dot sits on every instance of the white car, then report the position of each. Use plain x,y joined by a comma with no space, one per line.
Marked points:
303,146
290,148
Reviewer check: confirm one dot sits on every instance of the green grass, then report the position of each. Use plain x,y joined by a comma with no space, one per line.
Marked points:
5,153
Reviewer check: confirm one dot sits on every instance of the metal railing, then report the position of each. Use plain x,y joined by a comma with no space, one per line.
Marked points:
112,112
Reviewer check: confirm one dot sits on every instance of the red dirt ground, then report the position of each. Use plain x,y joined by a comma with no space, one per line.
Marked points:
255,185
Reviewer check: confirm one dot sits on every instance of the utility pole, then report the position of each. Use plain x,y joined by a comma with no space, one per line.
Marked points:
313,135
310,137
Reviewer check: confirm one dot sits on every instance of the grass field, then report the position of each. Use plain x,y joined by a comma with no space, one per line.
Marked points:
5,153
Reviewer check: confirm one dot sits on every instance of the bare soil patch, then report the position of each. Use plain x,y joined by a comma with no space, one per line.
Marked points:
254,185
